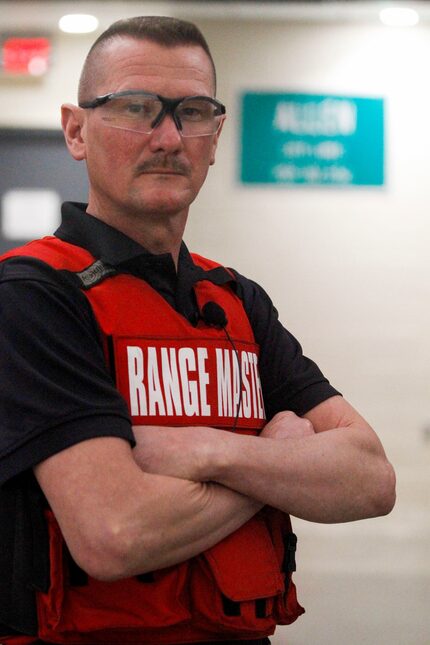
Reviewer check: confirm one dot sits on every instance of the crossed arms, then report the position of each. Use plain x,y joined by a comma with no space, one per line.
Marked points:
181,490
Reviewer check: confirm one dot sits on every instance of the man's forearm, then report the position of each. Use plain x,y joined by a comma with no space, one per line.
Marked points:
328,468
327,477
183,519
119,521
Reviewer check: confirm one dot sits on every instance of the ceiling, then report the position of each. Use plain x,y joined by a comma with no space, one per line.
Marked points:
44,14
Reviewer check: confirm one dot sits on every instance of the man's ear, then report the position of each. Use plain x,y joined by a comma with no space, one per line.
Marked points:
72,120
215,143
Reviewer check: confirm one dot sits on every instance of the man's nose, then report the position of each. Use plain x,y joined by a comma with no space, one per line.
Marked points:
166,136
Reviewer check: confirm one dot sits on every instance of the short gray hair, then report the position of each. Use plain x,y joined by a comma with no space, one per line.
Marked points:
165,31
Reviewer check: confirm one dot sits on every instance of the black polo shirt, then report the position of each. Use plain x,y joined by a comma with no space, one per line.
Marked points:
55,388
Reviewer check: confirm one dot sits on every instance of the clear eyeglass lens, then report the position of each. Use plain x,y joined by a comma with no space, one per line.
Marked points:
197,116
132,112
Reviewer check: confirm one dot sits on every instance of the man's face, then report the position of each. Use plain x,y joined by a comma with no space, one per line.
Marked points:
154,174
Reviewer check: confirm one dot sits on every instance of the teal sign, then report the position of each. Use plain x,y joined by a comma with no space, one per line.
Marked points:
312,139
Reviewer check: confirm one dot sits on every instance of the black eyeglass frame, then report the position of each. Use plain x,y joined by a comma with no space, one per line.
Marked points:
168,106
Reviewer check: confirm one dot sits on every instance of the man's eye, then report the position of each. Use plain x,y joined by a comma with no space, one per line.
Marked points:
142,109
135,108
191,109
195,112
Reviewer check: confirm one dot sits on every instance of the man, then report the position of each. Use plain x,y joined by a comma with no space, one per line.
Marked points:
176,532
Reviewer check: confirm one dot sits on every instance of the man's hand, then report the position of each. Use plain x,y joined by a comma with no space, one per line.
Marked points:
287,425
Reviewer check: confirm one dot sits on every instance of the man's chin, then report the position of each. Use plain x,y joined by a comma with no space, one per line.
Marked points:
164,209
163,202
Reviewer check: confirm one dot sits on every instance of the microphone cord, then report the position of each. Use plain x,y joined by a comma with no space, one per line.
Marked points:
239,367
214,315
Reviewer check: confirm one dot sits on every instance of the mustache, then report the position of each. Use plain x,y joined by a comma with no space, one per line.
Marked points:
164,162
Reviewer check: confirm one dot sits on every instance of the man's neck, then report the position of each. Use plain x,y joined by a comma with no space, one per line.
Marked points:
157,234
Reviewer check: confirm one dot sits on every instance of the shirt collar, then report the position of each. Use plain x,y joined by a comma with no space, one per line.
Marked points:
110,245
116,249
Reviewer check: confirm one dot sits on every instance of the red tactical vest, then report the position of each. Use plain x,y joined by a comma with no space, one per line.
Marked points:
171,373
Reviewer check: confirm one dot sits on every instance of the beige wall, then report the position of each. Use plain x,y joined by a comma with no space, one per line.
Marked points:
348,270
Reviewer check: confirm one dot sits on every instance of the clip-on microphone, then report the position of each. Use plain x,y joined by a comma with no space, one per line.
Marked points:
214,316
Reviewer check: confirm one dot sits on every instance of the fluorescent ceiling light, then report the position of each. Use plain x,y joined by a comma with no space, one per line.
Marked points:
399,17
78,23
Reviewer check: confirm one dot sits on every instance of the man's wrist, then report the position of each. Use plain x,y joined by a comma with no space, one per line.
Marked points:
219,455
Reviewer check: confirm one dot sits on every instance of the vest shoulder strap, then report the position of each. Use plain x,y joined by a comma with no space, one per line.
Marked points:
91,276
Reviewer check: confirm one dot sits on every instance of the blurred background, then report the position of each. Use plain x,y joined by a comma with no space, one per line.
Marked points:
321,193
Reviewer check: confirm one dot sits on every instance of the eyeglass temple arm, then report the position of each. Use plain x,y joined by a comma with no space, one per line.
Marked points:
100,100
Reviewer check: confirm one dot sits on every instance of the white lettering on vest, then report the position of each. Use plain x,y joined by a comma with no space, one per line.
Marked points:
193,381
202,356
155,394
187,363
225,407
253,383
246,394
260,404
237,385
172,389
235,391
135,379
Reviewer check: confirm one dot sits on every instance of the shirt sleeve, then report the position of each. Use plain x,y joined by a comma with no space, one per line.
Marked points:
290,380
56,389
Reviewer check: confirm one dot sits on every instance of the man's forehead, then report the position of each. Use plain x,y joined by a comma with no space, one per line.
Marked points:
131,57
